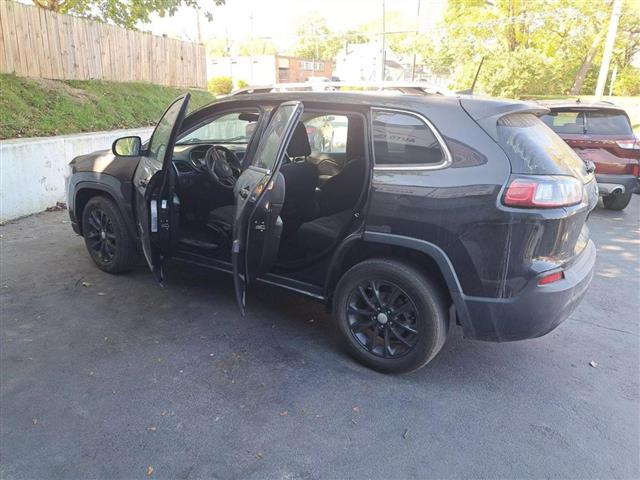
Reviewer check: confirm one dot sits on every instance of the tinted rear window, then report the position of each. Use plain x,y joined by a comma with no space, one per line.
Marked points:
589,122
404,139
608,123
533,148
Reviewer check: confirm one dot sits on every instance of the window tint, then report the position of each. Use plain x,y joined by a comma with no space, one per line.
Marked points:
266,154
588,122
327,134
608,123
403,139
162,133
236,127
533,148
565,122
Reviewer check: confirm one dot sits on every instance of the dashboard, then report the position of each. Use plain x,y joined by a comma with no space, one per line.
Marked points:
190,158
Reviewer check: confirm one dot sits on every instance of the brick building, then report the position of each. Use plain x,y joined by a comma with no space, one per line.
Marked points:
268,69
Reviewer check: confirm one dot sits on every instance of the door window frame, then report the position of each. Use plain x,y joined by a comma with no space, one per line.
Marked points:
447,159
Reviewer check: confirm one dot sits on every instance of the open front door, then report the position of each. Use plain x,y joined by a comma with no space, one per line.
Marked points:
259,196
153,185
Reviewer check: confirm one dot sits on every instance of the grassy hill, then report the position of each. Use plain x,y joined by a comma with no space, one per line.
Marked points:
32,107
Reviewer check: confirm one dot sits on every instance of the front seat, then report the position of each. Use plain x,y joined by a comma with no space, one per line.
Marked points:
300,179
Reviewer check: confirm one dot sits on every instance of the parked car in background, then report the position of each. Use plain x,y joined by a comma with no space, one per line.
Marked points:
409,214
601,134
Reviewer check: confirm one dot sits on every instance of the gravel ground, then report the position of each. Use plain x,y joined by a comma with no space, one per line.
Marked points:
113,377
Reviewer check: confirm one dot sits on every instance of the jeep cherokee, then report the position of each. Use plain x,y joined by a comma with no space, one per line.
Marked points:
404,213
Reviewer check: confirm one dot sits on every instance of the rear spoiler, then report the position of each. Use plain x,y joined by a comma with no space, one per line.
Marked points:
487,112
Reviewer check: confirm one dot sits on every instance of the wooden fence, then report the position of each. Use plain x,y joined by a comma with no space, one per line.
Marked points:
40,43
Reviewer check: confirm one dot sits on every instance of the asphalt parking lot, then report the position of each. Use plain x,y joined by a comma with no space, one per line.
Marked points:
113,377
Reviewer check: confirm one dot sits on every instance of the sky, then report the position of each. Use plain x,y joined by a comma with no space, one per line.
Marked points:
278,19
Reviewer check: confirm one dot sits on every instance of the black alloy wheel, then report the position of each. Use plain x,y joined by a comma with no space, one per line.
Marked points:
391,315
106,236
100,235
383,318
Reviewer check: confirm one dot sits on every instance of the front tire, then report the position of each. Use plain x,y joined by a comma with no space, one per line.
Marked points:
106,236
391,317
617,202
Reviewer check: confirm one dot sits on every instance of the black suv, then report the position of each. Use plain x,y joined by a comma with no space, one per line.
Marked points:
404,214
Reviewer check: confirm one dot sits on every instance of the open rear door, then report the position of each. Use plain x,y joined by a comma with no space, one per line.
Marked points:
153,185
259,193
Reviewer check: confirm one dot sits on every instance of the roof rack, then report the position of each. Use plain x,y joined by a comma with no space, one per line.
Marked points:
415,88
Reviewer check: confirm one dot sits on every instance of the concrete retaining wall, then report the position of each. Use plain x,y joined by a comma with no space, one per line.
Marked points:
32,170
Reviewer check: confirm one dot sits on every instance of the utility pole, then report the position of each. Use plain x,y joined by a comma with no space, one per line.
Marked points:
198,25
384,43
614,74
608,48
415,36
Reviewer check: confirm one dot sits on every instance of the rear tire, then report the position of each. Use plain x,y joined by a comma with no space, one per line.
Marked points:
617,202
106,236
391,317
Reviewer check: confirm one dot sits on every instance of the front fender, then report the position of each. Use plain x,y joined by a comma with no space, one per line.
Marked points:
119,191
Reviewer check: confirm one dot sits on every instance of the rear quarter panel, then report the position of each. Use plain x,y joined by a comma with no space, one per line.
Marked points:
495,251
454,207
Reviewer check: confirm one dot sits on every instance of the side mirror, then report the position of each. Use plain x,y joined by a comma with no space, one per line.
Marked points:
127,147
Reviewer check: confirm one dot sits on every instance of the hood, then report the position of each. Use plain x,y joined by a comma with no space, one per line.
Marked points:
105,162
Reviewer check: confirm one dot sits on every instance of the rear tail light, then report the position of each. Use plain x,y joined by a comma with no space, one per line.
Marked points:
632,169
552,277
543,191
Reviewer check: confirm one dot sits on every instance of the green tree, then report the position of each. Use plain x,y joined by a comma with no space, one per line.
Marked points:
530,46
121,12
316,41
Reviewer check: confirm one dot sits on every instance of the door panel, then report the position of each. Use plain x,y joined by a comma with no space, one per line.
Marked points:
154,184
260,193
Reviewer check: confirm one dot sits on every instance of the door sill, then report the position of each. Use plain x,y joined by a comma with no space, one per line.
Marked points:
298,286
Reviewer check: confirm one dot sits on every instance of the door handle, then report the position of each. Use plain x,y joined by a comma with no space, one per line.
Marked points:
244,193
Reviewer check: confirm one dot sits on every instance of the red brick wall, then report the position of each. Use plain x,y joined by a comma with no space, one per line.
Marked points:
292,69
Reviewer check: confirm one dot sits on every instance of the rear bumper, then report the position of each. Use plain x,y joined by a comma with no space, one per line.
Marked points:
535,311
610,184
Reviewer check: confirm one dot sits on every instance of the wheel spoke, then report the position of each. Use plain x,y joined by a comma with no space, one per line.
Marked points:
400,337
376,292
406,327
393,296
359,311
387,344
404,308
366,298
361,325
372,339
94,222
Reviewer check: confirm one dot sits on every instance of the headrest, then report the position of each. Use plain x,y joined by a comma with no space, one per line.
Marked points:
299,144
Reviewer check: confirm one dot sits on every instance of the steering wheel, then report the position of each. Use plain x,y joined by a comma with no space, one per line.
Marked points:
218,161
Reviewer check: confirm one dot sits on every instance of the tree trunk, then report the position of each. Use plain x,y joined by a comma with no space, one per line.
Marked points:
585,65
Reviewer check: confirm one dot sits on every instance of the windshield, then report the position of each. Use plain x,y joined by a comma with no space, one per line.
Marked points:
236,127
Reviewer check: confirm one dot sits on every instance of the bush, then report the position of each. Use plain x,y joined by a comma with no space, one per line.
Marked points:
220,85
627,82
242,84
